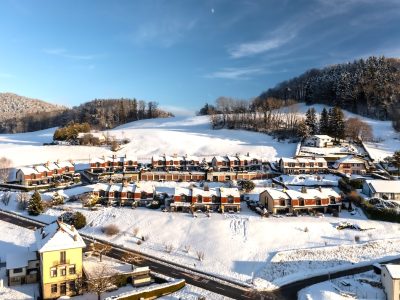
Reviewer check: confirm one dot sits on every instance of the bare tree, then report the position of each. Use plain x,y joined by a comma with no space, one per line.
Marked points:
23,200
5,168
358,130
132,258
200,255
101,280
100,249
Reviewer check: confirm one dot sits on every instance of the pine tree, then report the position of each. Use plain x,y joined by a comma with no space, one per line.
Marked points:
311,120
336,123
35,206
57,199
396,161
303,130
324,122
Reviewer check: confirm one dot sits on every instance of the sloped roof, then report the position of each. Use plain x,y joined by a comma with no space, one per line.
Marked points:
229,192
277,194
384,186
349,159
58,236
394,270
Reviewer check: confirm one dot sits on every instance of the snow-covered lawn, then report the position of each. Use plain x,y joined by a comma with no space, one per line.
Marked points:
191,292
181,135
14,239
244,246
344,288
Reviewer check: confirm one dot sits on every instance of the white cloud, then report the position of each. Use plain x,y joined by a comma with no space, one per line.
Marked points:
66,54
235,73
260,46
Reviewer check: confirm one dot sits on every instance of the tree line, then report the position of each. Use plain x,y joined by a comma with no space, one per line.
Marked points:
100,114
282,119
368,87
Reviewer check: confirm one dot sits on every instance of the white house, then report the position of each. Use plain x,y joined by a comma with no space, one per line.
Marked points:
320,141
385,189
390,278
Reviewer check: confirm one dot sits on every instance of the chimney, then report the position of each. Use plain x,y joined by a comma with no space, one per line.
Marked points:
75,237
320,189
58,161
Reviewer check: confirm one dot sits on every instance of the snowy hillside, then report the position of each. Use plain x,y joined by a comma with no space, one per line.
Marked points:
181,135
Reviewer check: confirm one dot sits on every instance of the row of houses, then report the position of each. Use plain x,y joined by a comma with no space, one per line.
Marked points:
348,165
308,199
57,262
45,173
178,198
126,164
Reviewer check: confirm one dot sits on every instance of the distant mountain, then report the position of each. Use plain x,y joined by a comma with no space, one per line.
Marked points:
15,106
368,87
21,114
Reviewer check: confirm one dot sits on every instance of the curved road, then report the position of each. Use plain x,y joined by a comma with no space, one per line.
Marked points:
286,292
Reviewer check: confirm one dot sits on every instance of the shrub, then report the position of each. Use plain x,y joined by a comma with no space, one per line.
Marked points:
246,185
79,220
135,231
168,248
186,248
110,230
139,242
200,255
74,218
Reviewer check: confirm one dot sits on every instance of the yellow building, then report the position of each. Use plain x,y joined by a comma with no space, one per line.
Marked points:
60,248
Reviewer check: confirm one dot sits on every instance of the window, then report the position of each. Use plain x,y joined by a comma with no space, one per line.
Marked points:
171,162
54,288
53,272
143,195
214,199
72,270
318,201
184,198
63,257
160,162
230,199
63,271
17,270
282,202
301,202
67,169
199,199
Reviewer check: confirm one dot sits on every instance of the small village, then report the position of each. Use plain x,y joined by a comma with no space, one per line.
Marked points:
325,177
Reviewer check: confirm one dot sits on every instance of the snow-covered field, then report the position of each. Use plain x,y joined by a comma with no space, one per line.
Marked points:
310,180
181,135
344,288
244,246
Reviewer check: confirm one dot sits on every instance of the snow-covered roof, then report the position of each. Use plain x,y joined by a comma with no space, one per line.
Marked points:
19,259
28,170
394,270
233,158
229,192
322,193
288,159
52,166
170,191
58,236
117,187
191,157
323,137
349,159
63,164
144,186
384,186
98,160
41,168
205,193
277,194
182,190
221,158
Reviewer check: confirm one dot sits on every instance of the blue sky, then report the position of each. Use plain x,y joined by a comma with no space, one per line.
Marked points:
182,53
